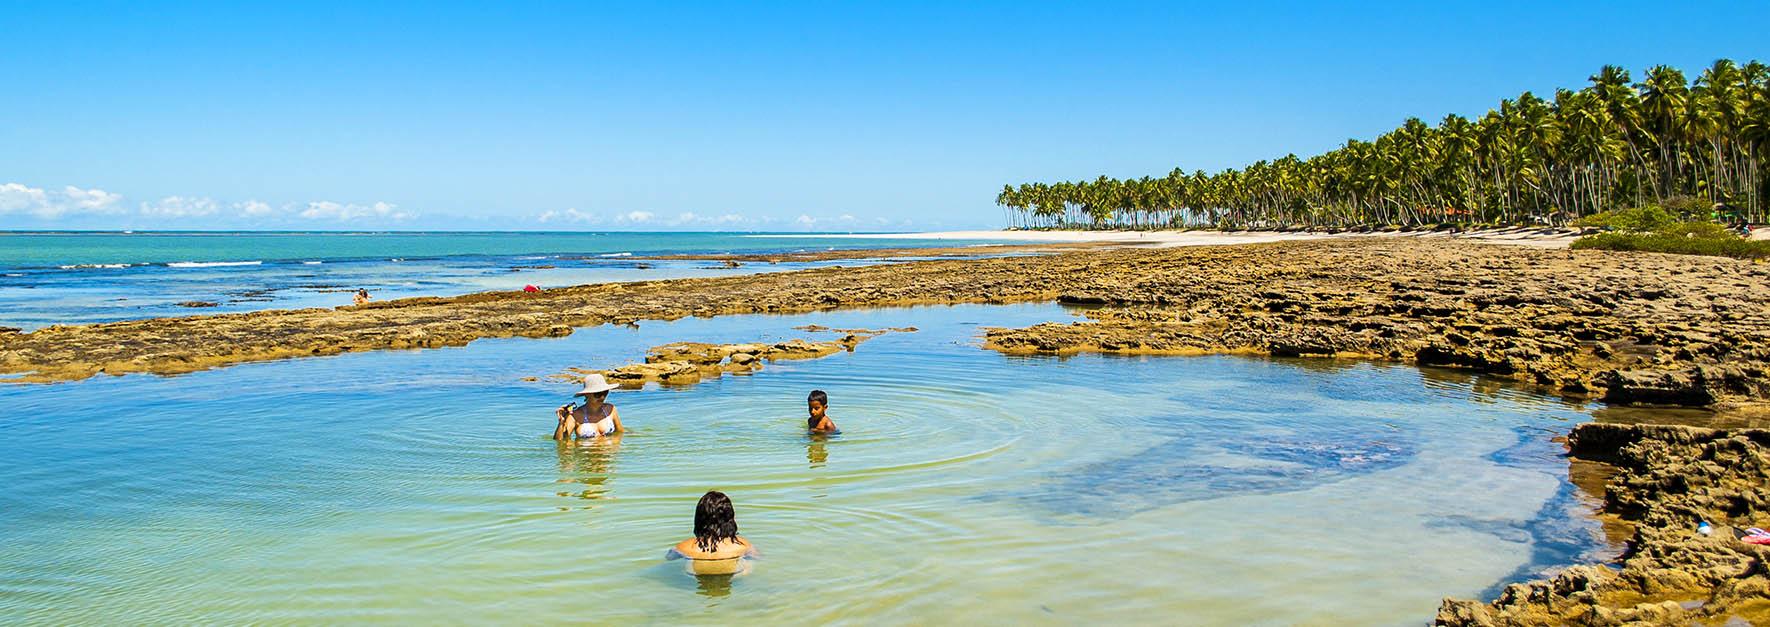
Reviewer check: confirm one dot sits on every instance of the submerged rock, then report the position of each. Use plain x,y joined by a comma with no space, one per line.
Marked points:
1170,472
685,363
1670,478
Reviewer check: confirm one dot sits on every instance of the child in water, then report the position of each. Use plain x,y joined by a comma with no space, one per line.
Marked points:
819,422
716,548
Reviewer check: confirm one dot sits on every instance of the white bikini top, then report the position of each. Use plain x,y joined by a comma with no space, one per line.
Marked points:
606,426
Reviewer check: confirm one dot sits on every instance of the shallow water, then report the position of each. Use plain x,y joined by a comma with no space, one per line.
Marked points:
418,486
72,278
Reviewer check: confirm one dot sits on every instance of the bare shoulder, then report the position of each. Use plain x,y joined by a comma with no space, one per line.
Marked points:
725,551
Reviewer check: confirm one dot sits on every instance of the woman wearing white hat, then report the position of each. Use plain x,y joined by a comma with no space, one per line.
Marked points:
595,419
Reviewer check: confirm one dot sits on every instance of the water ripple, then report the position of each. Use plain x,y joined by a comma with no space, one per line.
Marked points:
421,486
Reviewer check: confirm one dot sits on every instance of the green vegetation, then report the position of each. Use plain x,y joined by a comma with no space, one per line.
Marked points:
1683,145
1640,220
1654,229
1666,243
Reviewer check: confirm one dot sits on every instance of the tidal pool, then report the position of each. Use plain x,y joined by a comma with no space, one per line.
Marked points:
419,486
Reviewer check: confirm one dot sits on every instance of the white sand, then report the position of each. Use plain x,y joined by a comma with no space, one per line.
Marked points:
1546,238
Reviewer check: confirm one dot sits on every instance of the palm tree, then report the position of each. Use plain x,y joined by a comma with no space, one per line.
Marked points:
1608,145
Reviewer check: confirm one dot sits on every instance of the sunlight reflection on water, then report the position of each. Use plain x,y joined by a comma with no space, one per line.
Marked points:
418,486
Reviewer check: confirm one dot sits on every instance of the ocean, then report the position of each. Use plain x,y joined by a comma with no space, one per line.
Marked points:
74,278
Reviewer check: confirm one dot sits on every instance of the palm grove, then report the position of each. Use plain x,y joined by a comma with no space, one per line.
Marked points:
1614,144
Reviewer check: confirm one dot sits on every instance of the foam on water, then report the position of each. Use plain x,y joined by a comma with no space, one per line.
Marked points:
212,264
72,278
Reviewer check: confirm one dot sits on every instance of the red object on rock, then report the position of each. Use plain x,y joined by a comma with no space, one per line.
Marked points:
530,288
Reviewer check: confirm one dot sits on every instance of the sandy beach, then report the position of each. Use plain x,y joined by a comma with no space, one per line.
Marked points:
1537,237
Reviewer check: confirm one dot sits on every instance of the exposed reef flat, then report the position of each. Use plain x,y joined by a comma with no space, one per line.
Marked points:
981,250
1627,327
1640,328
1670,478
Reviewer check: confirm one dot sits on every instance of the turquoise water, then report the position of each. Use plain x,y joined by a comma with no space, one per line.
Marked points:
68,278
418,487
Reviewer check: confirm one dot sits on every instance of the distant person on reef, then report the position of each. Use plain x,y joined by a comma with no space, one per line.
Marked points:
716,548
360,298
595,420
819,421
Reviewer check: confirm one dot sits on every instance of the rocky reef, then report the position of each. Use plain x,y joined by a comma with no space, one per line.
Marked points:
1670,479
1641,328
1624,326
687,363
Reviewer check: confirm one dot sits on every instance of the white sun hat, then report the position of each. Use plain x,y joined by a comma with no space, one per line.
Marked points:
595,384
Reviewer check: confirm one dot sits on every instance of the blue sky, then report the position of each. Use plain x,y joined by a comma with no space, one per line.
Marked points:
716,116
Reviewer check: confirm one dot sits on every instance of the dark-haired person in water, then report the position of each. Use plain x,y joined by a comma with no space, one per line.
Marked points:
716,548
819,422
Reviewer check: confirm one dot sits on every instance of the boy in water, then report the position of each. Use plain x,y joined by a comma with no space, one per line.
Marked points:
819,422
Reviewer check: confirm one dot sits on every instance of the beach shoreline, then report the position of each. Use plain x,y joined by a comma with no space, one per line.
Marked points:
1522,236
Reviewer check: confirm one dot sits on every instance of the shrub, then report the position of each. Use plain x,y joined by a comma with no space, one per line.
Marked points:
1638,220
1727,246
1702,230
1694,206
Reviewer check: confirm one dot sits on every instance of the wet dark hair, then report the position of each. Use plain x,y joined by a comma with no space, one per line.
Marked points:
714,521
819,396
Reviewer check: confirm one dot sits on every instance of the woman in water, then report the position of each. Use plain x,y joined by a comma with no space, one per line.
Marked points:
716,548
596,419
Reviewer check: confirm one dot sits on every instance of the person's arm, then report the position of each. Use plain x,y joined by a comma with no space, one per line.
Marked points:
825,425
615,415
568,424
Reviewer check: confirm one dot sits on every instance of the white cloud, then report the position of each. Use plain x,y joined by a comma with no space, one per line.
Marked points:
18,199
806,220
34,201
15,197
846,217
569,215
254,209
637,216
91,199
179,207
328,210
